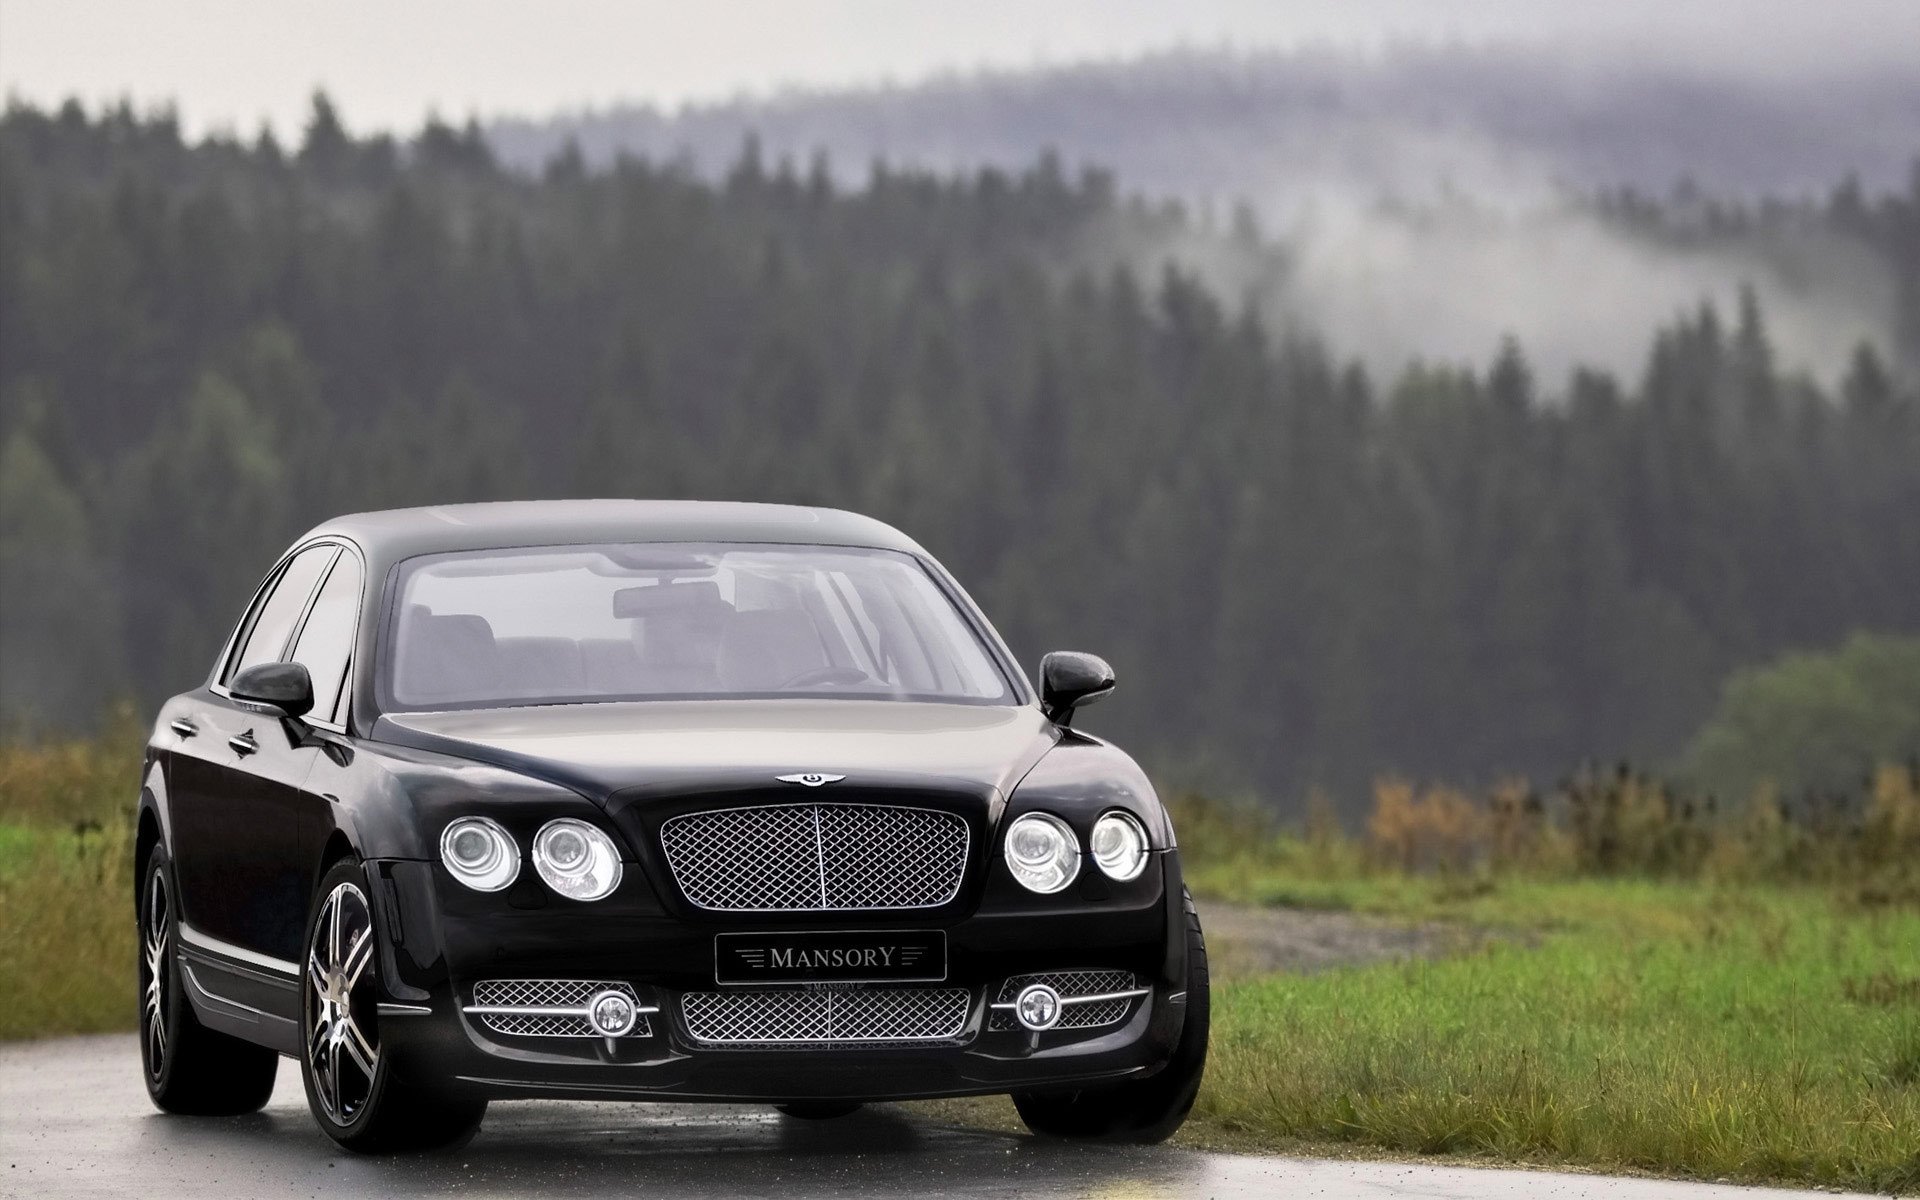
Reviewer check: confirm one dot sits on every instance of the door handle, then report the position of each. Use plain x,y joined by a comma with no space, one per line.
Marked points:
183,727
244,743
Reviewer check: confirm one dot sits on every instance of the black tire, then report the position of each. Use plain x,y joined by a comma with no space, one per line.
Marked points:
819,1110
356,1097
1142,1111
190,1069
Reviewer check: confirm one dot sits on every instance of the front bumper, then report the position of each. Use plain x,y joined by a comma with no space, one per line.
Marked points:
440,939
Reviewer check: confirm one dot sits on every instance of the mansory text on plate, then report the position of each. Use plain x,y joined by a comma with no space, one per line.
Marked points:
630,800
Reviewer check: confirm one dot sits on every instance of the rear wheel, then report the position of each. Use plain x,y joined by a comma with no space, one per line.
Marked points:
819,1110
1144,1110
351,1085
189,1068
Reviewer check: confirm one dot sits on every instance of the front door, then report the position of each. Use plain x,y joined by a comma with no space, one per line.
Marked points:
233,790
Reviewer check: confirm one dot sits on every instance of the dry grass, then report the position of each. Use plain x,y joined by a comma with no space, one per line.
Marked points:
66,884
1619,824
66,931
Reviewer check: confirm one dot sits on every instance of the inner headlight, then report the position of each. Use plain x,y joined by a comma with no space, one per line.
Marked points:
576,859
1042,852
1119,846
480,854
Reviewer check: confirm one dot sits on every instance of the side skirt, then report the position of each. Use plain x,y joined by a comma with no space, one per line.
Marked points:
238,992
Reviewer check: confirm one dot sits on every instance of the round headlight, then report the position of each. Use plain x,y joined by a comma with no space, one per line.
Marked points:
576,859
1119,846
480,854
1042,852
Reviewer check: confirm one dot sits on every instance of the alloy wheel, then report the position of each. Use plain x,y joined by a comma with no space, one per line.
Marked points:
155,962
342,1047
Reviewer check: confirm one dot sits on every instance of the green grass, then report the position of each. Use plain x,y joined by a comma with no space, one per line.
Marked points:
1754,1033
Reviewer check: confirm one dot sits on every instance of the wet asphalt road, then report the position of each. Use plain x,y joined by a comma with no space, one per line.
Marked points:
75,1121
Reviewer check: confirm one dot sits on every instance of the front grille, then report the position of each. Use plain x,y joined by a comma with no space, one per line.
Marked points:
568,996
794,1016
816,857
1069,984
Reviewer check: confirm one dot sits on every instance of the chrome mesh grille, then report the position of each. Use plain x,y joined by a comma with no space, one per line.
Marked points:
548,993
795,1016
816,857
1070,984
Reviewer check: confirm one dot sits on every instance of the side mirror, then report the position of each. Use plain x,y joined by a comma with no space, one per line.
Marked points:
276,689
1069,679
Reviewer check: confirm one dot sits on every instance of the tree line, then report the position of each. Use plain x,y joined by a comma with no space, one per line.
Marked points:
1302,573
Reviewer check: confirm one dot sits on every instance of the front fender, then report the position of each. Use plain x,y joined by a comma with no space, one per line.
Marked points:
393,803
1082,777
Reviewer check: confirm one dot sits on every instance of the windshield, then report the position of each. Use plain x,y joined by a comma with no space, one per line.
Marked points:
572,624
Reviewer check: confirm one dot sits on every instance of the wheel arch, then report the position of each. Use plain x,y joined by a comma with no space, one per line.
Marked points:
338,846
150,823
146,838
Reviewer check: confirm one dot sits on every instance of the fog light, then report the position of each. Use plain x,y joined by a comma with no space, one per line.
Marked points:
612,1014
1038,1007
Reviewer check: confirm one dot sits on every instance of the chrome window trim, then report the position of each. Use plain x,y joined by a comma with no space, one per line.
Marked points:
344,702
224,669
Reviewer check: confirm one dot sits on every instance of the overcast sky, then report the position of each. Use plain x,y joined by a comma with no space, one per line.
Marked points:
235,63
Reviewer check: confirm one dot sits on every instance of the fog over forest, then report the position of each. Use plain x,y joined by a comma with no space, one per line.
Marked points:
1431,199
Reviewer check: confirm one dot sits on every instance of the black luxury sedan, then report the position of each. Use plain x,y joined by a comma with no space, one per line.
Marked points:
651,800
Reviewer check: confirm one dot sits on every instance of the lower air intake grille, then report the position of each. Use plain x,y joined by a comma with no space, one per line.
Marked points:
1069,984
566,998
788,1017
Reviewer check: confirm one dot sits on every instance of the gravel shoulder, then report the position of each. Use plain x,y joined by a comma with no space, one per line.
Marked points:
1247,940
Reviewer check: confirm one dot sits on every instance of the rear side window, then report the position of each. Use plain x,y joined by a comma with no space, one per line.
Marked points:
326,642
274,618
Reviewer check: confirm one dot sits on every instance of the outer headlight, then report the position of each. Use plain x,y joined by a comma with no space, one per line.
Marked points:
576,859
480,854
1119,846
1042,852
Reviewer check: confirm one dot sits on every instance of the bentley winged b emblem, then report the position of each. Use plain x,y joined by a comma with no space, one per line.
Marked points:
810,779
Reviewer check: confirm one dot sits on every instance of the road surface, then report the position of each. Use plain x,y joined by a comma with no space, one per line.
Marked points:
75,1121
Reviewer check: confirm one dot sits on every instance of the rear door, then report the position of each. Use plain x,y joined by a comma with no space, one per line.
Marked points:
235,819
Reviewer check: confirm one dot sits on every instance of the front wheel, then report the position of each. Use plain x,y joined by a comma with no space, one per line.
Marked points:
189,1068
1147,1110
352,1088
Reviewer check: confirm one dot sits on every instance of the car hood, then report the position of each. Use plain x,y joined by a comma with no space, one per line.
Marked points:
675,748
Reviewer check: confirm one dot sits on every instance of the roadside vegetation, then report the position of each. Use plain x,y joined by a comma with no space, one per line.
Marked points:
66,884
1688,991
1672,986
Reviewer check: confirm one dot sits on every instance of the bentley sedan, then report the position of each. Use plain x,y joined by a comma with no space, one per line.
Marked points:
631,800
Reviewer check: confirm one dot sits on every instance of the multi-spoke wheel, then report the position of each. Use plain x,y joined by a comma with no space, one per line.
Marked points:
189,1068
352,1087
341,1048
156,964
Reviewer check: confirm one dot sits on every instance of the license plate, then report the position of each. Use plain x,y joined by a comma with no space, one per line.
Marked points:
856,957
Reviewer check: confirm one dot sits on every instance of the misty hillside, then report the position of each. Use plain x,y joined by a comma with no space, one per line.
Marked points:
1431,200
1304,571
1496,122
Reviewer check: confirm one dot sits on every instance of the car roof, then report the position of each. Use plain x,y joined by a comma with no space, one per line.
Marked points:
393,534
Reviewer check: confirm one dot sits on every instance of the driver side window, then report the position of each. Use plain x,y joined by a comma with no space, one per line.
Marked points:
265,640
